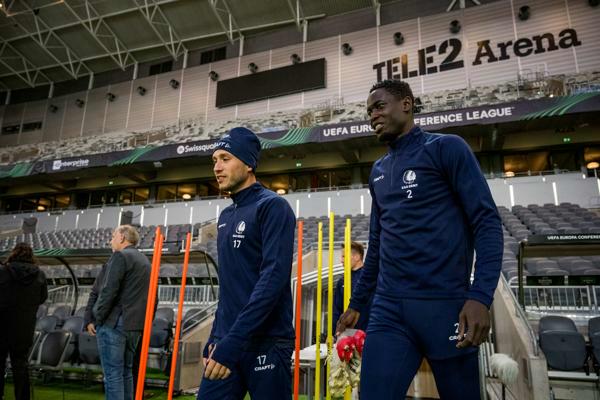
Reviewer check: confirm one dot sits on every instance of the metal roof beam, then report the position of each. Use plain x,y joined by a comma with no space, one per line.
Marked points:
30,74
105,37
190,39
72,24
49,41
231,24
462,4
162,27
297,12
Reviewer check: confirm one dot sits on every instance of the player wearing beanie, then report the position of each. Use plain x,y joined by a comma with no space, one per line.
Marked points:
252,338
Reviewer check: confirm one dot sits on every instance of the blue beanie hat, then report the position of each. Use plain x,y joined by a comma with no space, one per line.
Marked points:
243,144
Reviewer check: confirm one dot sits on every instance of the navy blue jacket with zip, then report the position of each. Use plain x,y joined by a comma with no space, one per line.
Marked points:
255,240
431,207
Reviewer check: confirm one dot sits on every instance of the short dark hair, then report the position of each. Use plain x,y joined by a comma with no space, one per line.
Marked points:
21,253
357,247
397,88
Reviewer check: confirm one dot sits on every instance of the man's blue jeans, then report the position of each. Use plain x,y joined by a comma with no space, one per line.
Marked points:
117,349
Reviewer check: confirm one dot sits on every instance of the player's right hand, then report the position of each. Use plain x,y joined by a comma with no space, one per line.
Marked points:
91,329
347,321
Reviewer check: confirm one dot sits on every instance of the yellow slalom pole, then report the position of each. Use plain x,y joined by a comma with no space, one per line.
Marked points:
347,283
330,321
319,300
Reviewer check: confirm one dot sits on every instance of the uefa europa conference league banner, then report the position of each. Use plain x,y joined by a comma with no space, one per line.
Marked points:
514,111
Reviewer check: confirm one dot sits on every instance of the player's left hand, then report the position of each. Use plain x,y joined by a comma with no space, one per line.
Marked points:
474,318
215,371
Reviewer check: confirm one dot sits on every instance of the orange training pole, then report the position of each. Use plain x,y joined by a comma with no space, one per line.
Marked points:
186,261
149,313
298,310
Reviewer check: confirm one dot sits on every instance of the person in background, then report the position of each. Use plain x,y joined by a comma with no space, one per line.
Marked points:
356,263
22,290
119,312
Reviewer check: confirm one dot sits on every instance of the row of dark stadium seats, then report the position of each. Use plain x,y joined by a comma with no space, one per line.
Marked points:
565,347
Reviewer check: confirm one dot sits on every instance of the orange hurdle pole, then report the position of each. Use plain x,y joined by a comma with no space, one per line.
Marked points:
149,313
186,261
298,310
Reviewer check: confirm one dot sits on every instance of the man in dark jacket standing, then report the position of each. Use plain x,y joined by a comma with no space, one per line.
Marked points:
357,254
22,290
431,209
119,312
251,343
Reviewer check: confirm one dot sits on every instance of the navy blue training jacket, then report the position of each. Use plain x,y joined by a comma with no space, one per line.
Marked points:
255,243
431,207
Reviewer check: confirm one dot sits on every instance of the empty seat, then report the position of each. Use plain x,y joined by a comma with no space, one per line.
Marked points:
563,346
161,333
88,349
165,313
62,312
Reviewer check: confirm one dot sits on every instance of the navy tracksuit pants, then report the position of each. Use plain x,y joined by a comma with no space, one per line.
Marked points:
265,371
403,332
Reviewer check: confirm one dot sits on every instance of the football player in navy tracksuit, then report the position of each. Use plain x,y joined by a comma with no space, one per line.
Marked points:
357,254
431,208
252,338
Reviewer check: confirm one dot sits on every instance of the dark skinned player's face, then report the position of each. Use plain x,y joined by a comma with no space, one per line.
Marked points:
390,117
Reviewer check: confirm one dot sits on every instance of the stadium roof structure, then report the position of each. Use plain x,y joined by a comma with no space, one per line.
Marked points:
46,41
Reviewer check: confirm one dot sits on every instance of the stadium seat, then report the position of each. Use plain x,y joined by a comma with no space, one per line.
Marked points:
563,346
52,351
88,349
46,324
42,311
161,333
62,312
167,314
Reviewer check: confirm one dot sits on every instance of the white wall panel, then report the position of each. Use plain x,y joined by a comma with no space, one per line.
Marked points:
226,69
329,48
388,50
34,112
547,16
194,87
586,21
140,113
116,115
95,112
73,116
355,82
434,32
167,99
53,124
494,23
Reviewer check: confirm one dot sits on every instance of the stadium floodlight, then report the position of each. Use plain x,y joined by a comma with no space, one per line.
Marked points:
213,76
347,49
110,96
174,83
186,196
281,192
141,90
295,59
79,103
253,67
455,26
524,13
398,38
